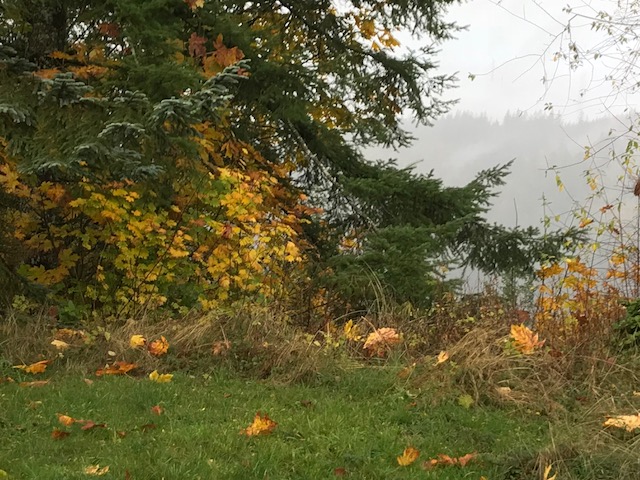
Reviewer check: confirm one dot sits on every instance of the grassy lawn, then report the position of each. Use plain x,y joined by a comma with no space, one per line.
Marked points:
359,422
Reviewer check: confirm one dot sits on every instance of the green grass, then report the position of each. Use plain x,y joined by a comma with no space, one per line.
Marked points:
360,421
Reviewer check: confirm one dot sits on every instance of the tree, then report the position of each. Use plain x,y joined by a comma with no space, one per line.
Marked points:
177,152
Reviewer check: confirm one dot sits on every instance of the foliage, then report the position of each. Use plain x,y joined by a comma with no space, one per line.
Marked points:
628,328
194,154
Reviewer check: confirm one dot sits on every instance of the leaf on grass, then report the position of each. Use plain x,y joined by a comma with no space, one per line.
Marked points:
37,383
60,345
137,341
525,341
160,377
157,410
96,470
339,472
221,348
118,368
147,426
381,340
626,422
66,420
58,434
409,456
90,425
158,347
547,472
88,381
447,461
37,367
443,356
262,425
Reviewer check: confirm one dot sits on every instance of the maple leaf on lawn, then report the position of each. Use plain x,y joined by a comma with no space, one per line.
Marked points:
626,422
37,383
524,339
118,368
262,425
409,456
160,377
157,410
37,367
60,345
96,470
66,420
158,347
446,460
58,434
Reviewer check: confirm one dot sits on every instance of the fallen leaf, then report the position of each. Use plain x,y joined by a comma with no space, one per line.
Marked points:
65,420
339,472
547,472
381,340
96,470
446,460
525,341
34,404
121,433
37,367
221,347
158,347
261,425
160,377
60,344
88,381
157,410
118,368
148,426
626,422
194,4
443,356
37,383
137,341
58,434
90,425
409,456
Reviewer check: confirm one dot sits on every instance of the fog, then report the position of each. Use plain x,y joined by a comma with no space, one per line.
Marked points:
458,146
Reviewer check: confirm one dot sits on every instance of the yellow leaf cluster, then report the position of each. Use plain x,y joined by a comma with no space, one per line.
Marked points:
261,425
525,341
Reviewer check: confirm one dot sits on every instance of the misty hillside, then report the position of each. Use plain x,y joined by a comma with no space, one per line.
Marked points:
460,145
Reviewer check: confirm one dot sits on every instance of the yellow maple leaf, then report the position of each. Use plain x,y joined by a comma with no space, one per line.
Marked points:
160,377
159,347
37,367
261,425
96,470
409,456
137,341
351,332
547,472
66,420
626,422
443,356
525,341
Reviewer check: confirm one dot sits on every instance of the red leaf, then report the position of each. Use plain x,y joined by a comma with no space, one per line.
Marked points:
58,434
157,410
196,46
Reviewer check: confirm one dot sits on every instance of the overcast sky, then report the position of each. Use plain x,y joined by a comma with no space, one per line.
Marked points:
509,46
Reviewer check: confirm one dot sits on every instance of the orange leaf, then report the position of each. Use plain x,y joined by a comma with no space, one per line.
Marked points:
381,340
37,367
443,356
157,410
409,456
446,460
58,434
118,368
158,347
65,420
90,424
525,340
262,425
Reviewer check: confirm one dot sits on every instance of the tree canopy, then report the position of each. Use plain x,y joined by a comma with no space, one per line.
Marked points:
190,153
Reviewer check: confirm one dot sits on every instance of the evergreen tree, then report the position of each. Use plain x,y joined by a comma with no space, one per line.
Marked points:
161,94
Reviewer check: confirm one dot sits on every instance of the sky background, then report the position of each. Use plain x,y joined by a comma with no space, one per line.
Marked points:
500,116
